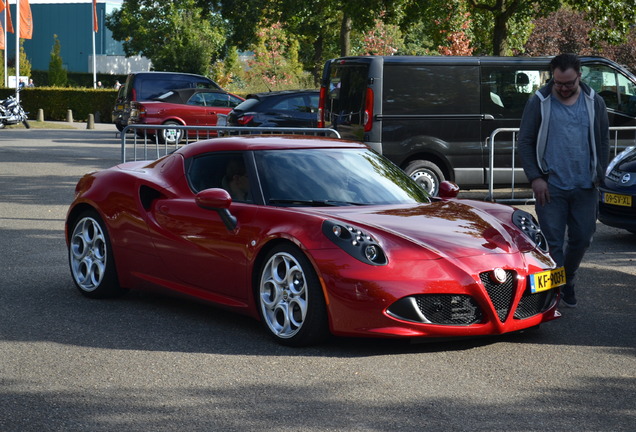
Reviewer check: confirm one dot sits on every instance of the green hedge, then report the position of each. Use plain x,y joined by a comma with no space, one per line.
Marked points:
55,102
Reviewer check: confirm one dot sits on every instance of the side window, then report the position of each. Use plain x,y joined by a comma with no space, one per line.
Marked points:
295,103
197,99
506,90
605,81
221,100
220,170
626,95
423,89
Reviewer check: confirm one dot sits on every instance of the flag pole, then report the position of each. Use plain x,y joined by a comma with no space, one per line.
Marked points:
6,75
94,57
17,49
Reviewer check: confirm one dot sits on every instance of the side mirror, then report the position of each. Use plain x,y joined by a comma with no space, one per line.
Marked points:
218,200
448,190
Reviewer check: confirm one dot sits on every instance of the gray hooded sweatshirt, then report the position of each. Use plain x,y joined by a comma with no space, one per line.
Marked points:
533,133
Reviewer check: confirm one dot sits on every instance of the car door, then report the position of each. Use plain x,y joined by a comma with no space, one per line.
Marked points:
201,252
199,112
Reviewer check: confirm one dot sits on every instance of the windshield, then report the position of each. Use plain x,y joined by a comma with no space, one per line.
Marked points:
323,177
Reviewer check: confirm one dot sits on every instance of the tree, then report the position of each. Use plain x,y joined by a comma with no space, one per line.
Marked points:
382,39
275,63
501,27
57,74
569,31
175,35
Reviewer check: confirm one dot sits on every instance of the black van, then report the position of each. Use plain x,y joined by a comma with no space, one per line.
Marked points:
432,115
144,86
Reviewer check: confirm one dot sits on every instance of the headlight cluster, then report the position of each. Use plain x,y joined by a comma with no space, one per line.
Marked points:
355,242
530,227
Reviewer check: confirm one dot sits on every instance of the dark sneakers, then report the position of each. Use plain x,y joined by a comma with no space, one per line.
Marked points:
567,297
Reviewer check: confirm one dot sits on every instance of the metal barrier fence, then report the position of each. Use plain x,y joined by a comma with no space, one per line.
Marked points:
491,169
144,142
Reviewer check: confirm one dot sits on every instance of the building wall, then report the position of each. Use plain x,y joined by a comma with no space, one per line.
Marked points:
73,25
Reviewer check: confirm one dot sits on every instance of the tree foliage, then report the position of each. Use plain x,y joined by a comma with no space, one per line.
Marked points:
203,36
175,35
569,31
57,75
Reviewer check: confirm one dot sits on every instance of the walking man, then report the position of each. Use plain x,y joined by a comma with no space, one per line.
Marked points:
564,149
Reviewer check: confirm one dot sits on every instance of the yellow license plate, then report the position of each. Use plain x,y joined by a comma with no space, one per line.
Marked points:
547,280
617,199
120,107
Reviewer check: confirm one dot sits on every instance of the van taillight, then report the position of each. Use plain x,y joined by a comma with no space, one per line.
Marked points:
321,107
368,111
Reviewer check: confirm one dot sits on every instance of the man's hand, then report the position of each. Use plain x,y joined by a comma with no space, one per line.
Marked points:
540,189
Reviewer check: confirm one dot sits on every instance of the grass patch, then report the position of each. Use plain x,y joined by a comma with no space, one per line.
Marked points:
42,125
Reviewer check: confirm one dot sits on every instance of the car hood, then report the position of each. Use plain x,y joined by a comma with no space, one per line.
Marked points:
448,228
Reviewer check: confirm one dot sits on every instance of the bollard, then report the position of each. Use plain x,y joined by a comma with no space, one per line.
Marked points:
40,116
91,122
69,116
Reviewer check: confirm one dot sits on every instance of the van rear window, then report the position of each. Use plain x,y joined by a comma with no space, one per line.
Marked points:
346,94
434,90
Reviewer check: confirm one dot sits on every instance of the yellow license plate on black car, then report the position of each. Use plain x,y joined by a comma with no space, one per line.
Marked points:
617,199
547,280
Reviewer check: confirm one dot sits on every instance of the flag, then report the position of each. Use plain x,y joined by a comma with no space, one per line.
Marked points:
95,26
9,23
1,36
26,20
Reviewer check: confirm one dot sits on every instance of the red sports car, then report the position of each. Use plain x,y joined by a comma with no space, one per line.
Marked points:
186,107
312,236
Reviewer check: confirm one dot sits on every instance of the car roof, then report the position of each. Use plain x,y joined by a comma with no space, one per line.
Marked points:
265,95
262,142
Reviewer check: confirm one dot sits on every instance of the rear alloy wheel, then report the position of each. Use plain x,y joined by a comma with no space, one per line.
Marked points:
426,174
171,136
91,258
290,298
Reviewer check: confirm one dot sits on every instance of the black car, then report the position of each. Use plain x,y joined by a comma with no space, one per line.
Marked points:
618,192
297,108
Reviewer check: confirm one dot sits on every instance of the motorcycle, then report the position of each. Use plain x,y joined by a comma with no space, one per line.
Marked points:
11,112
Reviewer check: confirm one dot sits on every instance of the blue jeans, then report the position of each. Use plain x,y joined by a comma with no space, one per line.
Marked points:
569,222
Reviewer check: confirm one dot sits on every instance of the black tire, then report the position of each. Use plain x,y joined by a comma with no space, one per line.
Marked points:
171,136
26,124
426,174
290,299
91,257
119,126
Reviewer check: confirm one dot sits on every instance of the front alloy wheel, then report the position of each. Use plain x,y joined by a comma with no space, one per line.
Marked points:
290,298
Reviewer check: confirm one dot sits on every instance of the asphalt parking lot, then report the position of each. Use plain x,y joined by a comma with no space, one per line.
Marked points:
146,362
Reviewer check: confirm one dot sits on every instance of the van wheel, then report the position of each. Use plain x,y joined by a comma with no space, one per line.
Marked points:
426,174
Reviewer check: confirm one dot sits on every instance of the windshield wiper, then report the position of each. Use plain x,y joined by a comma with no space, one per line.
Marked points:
312,203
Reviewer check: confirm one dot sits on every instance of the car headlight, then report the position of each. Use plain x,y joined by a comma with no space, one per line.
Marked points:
619,157
530,227
355,242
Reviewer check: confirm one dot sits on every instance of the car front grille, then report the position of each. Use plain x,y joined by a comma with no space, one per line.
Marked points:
449,309
622,211
501,294
463,310
534,303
